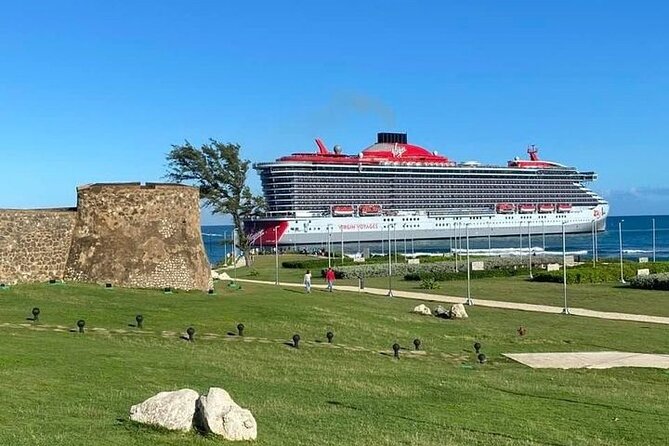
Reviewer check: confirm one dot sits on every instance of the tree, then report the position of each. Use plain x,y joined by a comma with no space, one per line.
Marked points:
220,173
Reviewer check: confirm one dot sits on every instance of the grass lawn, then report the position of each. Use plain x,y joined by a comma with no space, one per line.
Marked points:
63,388
603,297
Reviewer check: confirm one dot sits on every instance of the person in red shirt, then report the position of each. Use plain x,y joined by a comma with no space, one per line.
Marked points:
330,278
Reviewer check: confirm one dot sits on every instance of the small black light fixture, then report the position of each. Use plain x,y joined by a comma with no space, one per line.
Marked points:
52,281
481,357
416,343
477,347
210,291
108,285
329,335
81,324
139,318
396,349
240,329
190,331
167,290
521,331
296,340
35,313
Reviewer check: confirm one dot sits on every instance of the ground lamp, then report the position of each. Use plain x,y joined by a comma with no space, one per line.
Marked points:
521,331
35,314
210,291
416,344
190,331
396,349
108,285
139,318
81,324
481,357
296,340
167,290
477,346
329,335
240,329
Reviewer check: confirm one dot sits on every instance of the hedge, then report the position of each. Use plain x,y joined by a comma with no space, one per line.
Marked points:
603,272
659,281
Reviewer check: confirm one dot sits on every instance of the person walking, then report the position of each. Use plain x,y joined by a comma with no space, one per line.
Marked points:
330,278
307,281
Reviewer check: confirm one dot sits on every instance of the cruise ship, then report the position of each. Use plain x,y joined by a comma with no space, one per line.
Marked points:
397,189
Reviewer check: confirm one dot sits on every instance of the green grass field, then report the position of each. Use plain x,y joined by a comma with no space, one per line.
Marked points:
63,388
602,297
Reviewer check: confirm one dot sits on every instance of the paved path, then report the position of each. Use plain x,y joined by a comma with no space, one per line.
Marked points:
483,302
589,360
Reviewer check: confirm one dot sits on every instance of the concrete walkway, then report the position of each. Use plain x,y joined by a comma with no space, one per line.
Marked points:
480,302
589,360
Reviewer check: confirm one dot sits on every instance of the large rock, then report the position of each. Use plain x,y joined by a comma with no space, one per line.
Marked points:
171,410
422,309
219,414
442,312
458,312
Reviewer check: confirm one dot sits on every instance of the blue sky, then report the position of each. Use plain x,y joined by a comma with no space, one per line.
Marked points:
94,91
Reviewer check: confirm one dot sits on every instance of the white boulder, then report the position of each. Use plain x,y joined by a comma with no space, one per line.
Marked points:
458,312
215,275
219,414
422,309
171,410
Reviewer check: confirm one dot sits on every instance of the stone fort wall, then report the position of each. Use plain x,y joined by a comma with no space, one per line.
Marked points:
34,244
133,235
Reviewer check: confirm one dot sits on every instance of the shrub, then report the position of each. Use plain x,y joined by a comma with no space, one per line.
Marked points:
429,284
253,272
659,281
603,272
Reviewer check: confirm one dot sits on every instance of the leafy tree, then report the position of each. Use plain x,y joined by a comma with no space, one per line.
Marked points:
220,173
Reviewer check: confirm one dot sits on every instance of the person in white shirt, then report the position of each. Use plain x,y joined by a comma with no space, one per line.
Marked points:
307,281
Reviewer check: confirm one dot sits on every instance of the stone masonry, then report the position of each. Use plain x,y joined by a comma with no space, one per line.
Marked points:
132,235
34,244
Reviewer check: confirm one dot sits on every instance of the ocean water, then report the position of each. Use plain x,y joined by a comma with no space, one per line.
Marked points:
637,241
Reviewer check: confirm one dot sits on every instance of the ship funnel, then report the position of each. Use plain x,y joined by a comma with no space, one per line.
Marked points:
391,138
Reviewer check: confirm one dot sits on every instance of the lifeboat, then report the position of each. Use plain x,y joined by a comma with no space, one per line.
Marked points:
342,211
546,207
526,208
505,208
564,207
369,209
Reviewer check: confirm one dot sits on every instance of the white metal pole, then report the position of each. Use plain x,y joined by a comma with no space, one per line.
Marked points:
234,252
529,246
565,309
593,242
276,255
341,228
543,234
404,231
469,287
596,245
329,246
225,248
520,241
489,244
455,252
390,266
620,236
395,241
653,240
